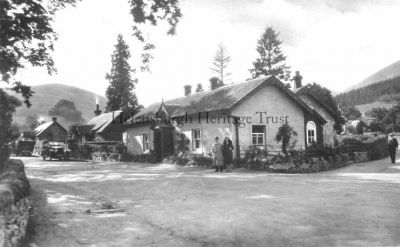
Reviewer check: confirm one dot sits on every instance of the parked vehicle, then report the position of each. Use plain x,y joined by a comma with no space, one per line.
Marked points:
24,148
55,150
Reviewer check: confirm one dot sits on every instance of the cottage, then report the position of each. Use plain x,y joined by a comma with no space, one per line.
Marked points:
107,126
316,100
249,113
51,132
103,127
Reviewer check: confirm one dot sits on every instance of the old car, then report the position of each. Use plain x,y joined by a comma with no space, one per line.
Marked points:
24,147
55,150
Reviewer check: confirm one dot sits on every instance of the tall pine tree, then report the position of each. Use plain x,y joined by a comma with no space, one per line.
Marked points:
271,60
220,63
120,92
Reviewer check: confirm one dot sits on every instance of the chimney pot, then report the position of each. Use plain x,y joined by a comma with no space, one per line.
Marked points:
97,111
297,80
54,119
188,89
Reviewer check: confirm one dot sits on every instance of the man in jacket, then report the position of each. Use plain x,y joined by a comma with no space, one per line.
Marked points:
393,145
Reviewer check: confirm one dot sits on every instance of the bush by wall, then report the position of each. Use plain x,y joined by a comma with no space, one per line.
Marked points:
197,160
376,147
14,204
143,158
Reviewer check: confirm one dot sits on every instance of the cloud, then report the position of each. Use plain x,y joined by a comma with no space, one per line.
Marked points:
342,6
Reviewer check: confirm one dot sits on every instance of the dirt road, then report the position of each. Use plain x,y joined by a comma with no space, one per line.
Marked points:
174,206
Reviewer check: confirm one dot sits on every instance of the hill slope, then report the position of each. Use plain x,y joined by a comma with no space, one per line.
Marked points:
47,95
386,73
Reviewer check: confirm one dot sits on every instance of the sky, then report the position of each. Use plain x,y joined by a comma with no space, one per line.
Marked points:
336,43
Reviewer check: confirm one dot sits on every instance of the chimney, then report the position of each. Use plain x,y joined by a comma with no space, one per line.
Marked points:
188,89
215,83
297,80
97,111
54,119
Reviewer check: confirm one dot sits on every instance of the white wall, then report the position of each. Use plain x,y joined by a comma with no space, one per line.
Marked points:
133,139
275,103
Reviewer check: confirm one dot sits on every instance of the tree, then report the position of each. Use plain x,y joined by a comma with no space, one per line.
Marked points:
360,128
377,113
32,121
26,37
67,110
7,108
352,112
199,88
215,83
377,126
220,63
120,92
325,94
284,135
271,60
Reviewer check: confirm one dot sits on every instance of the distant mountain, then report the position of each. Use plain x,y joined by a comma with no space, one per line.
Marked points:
47,95
384,74
384,94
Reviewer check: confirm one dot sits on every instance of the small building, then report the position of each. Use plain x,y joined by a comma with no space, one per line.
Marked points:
104,127
317,101
51,132
249,113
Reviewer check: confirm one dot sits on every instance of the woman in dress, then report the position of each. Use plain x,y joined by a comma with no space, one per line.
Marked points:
227,149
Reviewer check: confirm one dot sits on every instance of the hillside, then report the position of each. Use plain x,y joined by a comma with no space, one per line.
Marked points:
386,73
379,94
47,95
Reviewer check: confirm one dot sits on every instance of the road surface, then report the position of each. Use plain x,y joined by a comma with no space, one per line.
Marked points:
164,205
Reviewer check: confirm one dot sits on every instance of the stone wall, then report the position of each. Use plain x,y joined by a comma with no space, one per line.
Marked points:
14,204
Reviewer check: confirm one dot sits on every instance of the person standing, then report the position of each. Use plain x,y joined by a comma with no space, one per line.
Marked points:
227,148
216,151
392,145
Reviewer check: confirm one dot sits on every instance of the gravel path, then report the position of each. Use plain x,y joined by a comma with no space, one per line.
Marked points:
165,205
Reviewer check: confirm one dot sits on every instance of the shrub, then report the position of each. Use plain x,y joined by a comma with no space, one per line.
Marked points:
285,133
375,146
203,161
181,160
142,158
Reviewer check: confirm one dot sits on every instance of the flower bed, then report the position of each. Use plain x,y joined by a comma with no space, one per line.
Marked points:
197,160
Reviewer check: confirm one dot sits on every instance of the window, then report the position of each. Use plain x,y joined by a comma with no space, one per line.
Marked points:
196,138
145,139
311,131
257,134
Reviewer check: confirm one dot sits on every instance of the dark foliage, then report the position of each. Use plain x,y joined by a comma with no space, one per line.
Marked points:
284,135
352,113
360,128
378,113
67,110
32,121
326,98
369,94
271,60
120,92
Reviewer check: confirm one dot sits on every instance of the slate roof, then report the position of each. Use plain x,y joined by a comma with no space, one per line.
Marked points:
223,98
319,98
41,128
102,121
